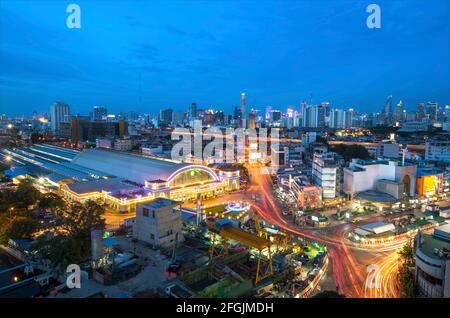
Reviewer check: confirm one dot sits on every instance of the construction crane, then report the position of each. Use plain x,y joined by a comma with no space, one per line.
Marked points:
278,237
228,233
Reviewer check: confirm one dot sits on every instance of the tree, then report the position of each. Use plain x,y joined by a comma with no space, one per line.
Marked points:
86,217
52,202
61,251
351,151
20,227
26,193
73,246
407,254
81,220
406,270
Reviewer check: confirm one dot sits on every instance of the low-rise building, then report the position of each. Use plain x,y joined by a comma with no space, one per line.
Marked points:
159,223
123,144
437,151
375,229
386,149
433,263
429,182
387,176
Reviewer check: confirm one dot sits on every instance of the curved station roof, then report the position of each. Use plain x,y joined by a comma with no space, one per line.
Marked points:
127,166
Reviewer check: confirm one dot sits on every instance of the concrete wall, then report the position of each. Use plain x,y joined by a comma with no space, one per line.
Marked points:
161,230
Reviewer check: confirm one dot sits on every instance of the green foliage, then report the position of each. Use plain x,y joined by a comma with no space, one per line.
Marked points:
407,282
53,203
62,251
407,254
85,217
406,271
352,151
18,227
26,194
74,246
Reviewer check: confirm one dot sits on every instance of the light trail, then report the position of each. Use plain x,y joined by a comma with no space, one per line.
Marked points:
349,273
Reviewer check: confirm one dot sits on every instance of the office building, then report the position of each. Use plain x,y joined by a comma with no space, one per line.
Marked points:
59,113
325,174
437,151
166,116
99,113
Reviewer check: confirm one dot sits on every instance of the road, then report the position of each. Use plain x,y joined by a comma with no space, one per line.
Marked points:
353,266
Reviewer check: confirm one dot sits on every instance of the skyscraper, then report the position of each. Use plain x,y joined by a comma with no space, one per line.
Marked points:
166,116
387,111
314,116
421,111
59,113
243,111
432,110
252,119
99,113
348,118
193,111
337,118
398,114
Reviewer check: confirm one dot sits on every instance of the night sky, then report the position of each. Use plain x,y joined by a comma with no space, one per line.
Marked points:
144,56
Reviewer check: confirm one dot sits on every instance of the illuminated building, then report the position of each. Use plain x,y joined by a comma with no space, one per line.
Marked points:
160,178
243,111
429,182
99,113
325,174
308,196
121,180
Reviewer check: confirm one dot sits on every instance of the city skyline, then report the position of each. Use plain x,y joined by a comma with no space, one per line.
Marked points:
204,57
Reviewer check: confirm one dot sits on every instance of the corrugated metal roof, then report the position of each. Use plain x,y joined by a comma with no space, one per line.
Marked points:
128,166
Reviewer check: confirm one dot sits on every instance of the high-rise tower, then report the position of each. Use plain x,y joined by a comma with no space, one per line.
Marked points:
387,111
59,113
243,111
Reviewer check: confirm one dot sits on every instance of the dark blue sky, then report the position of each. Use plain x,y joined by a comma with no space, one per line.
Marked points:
278,53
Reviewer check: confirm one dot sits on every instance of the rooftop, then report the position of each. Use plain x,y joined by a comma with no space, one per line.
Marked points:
128,166
443,232
161,203
431,244
107,185
421,172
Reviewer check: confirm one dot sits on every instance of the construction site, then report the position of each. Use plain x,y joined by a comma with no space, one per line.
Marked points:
225,258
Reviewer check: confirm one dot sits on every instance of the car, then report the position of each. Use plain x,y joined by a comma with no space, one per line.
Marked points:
356,220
